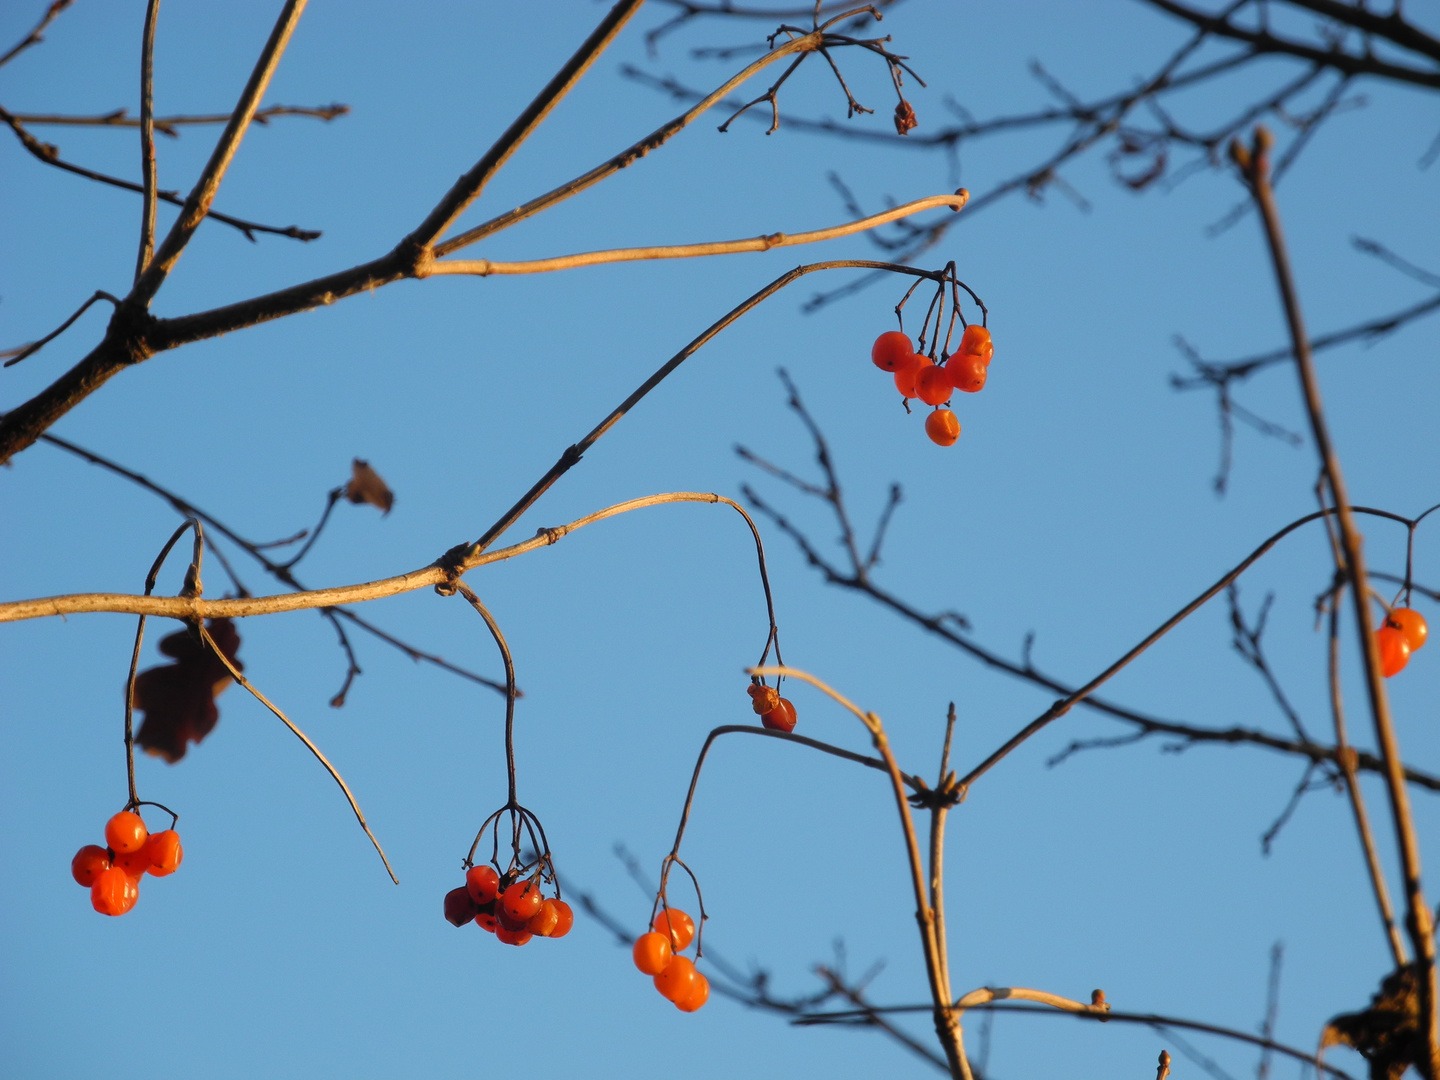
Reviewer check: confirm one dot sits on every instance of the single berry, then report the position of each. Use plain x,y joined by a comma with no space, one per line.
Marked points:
933,386
1410,623
164,853
505,919
486,921
522,900
459,908
678,978
976,341
126,832
565,918
762,698
942,427
1394,649
134,863
678,927
114,892
967,372
698,995
889,349
483,883
545,920
513,937
652,953
87,864
907,371
780,718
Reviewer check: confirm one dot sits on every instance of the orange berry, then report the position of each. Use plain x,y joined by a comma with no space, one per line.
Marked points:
677,927
87,864
678,979
780,718
483,883
513,937
1410,623
933,387
163,852
652,953
565,918
114,892
907,371
762,698
967,372
942,427
521,901
890,349
698,995
976,341
134,863
126,832
545,920
486,921
1394,649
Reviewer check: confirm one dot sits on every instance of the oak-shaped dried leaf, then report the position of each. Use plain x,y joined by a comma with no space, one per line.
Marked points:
178,699
1388,1034
365,486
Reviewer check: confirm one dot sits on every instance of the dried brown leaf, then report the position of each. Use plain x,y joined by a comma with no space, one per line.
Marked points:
365,486
178,699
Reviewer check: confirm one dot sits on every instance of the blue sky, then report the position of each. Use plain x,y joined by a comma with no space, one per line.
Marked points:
1076,505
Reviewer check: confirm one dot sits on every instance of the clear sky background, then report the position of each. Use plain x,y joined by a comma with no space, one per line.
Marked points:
1077,505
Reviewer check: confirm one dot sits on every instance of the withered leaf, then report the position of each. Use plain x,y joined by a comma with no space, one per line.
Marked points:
905,120
1389,1034
365,486
178,699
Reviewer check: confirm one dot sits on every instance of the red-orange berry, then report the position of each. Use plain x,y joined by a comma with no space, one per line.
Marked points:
652,953
522,900
134,863
163,852
545,920
1410,623
486,921
513,937
114,892
780,718
698,995
483,883
907,371
967,372
1394,649
942,427
889,349
678,978
459,908
85,867
126,832
565,918
976,341
933,387
677,927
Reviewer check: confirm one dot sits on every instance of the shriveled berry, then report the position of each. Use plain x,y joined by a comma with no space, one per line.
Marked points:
967,372
976,341
678,927
545,920
565,918
1394,649
1410,623
678,978
652,953
459,908
483,883
698,995
933,387
942,427
907,371
780,718
164,853
513,937
87,864
762,698
126,832
889,349
522,900
114,892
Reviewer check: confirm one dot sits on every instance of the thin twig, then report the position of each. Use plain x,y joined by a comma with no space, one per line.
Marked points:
36,35
147,137
17,354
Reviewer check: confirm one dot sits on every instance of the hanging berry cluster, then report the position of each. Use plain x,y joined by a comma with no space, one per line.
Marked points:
513,909
657,953
1403,633
113,873
775,712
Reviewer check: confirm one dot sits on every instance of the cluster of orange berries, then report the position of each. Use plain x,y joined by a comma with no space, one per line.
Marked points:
1403,633
513,911
918,376
775,712
113,873
657,953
